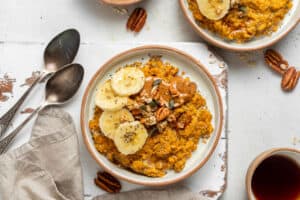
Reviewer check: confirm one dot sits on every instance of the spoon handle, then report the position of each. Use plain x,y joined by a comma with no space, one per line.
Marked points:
8,116
5,142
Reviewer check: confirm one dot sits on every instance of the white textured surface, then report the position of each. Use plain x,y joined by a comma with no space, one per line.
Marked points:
261,116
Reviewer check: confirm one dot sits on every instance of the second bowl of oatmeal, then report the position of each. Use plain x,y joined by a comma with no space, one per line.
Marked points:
242,25
151,115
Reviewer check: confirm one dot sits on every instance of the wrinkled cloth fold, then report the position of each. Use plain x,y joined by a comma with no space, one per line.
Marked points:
48,166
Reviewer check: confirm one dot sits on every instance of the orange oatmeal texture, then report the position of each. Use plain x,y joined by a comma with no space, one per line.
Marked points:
170,148
246,19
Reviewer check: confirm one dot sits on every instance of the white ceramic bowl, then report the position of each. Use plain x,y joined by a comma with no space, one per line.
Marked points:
293,154
290,21
195,71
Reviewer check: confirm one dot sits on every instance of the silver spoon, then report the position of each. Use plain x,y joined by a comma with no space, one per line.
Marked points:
60,51
60,88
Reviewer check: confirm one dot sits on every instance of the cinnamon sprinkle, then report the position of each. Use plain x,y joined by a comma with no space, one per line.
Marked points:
209,193
27,111
30,80
6,86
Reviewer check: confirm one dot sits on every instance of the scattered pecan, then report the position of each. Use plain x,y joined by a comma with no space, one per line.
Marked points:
107,182
290,76
137,20
162,113
290,79
275,61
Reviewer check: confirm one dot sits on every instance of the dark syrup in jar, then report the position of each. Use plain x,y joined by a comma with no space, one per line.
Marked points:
277,178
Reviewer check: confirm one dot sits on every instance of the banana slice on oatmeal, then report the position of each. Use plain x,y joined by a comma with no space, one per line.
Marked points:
214,9
109,121
130,137
128,81
107,99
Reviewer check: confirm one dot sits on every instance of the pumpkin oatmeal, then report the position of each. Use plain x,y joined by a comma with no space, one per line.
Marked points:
246,19
167,117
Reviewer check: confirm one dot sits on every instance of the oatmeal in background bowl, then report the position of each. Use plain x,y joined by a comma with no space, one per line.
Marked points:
242,25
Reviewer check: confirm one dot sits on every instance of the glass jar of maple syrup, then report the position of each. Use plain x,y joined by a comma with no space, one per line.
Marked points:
275,175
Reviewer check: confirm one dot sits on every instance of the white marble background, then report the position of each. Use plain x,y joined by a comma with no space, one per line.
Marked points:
261,116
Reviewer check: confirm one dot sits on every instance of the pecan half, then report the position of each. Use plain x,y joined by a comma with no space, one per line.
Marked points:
290,79
107,182
275,61
162,113
137,20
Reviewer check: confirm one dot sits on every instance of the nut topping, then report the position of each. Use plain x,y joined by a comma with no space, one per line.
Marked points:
107,182
137,20
162,113
275,61
290,79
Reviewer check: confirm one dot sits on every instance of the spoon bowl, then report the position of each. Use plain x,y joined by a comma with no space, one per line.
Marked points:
61,50
64,84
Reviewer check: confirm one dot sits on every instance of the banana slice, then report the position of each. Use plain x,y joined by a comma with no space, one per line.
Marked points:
214,9
110,121
130,137
107,99
128,81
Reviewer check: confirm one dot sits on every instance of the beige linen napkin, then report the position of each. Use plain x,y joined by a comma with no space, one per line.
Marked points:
48,166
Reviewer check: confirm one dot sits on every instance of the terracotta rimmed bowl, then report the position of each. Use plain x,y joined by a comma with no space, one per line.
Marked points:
206,85
290,21
120,2
293,154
